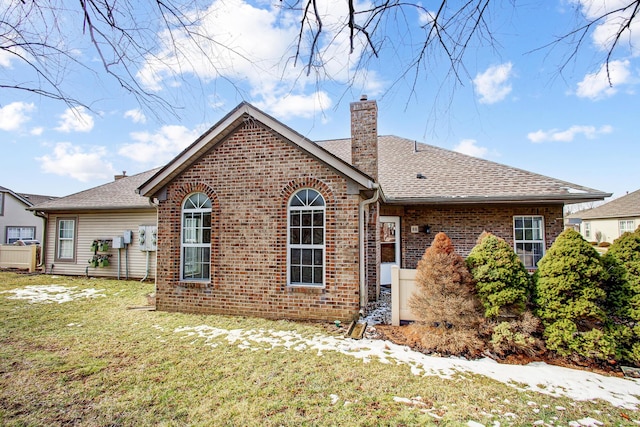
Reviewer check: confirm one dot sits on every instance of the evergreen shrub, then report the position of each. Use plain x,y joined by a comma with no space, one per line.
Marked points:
502,282
569,299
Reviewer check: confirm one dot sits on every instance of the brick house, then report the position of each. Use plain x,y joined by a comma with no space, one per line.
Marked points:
255,219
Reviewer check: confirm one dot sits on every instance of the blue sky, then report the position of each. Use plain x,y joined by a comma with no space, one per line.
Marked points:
512,104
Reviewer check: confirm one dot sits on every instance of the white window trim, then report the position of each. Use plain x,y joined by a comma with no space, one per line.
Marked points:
626,222
542,233
587,230
20,236
184,245
307,246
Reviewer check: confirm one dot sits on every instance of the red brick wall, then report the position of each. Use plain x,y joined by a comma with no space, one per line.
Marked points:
249,178
364,137
464,224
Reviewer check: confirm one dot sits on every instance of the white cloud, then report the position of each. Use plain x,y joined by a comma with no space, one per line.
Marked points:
69,160
75,120
306,106
470,148
37,131
160,147
568,135
604,83
136,115
14,115
5,58
492,85
615,18
256,45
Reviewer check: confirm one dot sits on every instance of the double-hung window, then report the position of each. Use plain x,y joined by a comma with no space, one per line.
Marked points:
196,238
529,239
625,225
306,239
587,230
65,239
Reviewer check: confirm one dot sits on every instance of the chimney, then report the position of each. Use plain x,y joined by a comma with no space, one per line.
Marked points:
364,136
117,177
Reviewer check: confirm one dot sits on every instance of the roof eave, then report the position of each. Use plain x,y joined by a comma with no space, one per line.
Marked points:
91,208
462,200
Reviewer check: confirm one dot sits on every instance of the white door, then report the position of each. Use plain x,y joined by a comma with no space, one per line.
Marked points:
389,229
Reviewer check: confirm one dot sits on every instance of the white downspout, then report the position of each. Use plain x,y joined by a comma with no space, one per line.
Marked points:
363,286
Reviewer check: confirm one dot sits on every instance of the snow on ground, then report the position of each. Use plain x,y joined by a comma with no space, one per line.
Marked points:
539,377
53,293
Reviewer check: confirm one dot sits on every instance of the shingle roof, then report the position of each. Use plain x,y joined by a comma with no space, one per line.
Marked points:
119,194
622,207
28,199
451,177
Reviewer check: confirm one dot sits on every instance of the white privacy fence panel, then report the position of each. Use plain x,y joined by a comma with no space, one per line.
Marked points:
403,285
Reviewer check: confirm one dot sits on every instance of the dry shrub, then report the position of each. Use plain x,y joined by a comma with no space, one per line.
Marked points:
517,336
445,294
455,341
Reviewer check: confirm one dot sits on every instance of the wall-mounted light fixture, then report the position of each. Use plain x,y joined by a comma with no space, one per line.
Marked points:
427,229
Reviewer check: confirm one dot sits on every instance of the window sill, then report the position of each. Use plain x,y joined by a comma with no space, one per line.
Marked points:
306,289
194,285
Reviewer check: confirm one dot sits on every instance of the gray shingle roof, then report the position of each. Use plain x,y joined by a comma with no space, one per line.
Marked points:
119,194
451,177
28,199
622,207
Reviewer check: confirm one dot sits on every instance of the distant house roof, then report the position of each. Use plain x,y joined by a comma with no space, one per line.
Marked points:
27,199
622,207
411,172
118,194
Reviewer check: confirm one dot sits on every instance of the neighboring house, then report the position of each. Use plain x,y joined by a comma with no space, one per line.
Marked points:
103,223
607,222
255,219
16,222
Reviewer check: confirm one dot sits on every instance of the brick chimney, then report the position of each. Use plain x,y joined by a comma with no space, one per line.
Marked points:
364,136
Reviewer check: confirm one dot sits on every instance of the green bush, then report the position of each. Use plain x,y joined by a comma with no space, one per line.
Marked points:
622,286
569,299
517,336
502,282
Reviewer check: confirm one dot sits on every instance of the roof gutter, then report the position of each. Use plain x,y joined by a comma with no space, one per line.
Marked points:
461,200
364,204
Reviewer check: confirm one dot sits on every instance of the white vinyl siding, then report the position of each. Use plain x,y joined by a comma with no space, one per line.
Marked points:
133,261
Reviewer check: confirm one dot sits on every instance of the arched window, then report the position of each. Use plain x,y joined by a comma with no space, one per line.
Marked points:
306,237
196,238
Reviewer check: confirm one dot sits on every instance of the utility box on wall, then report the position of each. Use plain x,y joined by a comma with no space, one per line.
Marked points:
118,242
148,238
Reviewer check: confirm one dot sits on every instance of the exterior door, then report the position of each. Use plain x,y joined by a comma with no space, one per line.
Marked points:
389,229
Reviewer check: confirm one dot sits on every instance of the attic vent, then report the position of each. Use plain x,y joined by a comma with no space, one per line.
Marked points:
420,176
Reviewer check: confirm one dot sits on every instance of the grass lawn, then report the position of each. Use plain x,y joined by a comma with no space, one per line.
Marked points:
92,361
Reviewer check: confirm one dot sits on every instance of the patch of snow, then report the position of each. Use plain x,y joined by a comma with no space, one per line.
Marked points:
586,422
379,312
53,293
538,377
334,398
474,424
